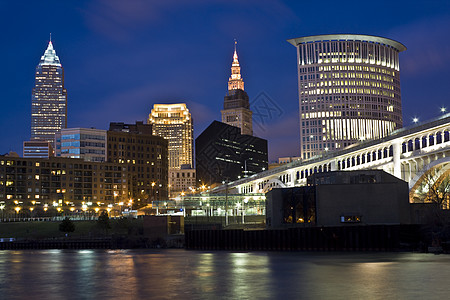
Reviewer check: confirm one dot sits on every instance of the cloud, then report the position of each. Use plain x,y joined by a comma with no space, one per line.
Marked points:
132,103
119,19
428,45
116,19
282,134
201,113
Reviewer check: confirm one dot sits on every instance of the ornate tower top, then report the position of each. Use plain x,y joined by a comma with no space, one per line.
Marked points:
50,57
235,82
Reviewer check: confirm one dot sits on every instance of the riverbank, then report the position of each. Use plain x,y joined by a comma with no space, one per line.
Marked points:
200,234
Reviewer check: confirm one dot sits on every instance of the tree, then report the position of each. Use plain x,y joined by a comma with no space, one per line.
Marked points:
434,189
103,221
67,225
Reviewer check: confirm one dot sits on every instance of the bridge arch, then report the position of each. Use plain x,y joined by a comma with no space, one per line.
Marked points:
418,179
271,183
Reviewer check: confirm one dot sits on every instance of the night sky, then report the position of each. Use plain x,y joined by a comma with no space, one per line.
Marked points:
120,57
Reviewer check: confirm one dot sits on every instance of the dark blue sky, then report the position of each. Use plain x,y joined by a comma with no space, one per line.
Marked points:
120,57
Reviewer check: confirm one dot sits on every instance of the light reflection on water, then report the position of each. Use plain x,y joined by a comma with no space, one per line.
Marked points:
179,274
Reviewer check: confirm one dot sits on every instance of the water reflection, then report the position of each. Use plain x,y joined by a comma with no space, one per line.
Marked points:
170,274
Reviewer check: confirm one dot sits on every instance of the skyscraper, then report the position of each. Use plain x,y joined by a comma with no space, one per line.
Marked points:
49,98
349,90
236,106
174,123
223,153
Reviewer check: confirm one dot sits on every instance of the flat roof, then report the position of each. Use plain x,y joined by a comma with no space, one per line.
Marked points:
348,37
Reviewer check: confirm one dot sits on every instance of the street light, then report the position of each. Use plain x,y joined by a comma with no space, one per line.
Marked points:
243,209
2,207
130,203
153,184
17,209
443,109
415,119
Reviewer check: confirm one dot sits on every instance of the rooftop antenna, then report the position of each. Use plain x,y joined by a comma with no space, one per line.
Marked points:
50,37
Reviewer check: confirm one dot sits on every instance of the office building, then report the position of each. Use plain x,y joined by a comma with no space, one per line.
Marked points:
182,181
86,143
236,106
222,153
145,157
49,98
349,90
36,186
174,123
37,149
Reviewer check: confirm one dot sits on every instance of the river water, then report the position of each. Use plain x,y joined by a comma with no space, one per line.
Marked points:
180,274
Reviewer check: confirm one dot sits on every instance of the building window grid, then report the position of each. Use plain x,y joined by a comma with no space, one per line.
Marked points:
327,77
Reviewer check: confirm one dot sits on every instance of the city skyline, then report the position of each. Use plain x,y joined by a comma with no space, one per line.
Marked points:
165,53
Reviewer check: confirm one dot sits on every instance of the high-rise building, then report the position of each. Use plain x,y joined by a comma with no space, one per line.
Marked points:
86,143
145,156
49,98
236,106
349,90
223,153
174,123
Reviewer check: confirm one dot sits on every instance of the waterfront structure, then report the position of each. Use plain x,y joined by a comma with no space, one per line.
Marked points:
145,157
37,149
174,123
349,90
182,181
49,98
222,153
86,143
413,154
341,198
35,185
236,106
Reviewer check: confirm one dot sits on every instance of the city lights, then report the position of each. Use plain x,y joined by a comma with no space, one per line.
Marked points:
49,98
346,89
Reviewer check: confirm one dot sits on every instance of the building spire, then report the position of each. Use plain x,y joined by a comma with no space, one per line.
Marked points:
235,82
50,57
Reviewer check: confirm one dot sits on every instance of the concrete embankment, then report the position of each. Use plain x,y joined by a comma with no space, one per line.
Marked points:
353,238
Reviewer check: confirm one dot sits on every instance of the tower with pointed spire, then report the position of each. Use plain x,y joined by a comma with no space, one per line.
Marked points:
235,82
236,106
48,98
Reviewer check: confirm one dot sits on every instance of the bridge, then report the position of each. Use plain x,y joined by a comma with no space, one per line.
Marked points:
412,153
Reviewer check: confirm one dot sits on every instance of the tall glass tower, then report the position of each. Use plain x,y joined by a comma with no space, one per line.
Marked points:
349,90
49,98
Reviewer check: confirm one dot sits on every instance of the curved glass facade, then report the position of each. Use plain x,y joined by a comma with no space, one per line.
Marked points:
349,90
